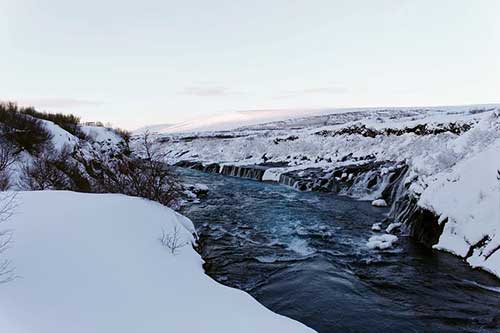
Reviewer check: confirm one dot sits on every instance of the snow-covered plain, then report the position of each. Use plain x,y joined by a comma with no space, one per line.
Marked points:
94,263
228,121
452,167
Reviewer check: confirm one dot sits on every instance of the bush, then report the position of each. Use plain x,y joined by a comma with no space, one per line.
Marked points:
122,172
54,171
69,122
42,174
23,131
123,133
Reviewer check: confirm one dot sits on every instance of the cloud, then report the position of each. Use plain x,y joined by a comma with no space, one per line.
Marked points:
56,102
324,90
329,90
207,91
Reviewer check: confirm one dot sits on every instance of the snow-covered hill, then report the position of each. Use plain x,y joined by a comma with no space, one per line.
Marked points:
97,139
94,263
437,167
227,121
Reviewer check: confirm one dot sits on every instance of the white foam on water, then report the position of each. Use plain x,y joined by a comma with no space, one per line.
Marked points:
300,246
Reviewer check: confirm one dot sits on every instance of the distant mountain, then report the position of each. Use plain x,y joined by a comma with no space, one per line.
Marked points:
160,128
231,120
236,119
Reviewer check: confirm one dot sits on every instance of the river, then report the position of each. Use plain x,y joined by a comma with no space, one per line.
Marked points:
304,255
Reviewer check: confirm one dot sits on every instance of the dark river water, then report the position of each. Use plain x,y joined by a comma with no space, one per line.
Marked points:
304,255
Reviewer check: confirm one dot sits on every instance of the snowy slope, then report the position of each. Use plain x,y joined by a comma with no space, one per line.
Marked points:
60,137
101,134
237,119
94,263
98,138
469,197
229,120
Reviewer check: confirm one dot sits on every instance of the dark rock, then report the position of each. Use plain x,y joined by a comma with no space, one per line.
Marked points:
372,182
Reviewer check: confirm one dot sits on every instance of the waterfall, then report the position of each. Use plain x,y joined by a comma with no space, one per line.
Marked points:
252,172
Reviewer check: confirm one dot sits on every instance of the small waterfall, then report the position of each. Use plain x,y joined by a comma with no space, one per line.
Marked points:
367,181
252,172
287,180
396,191
211,168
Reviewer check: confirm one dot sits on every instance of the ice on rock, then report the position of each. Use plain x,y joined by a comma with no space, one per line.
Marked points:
377,227
381,242
379,203
393,226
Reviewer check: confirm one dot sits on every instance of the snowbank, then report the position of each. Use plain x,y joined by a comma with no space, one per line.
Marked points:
468,200
94,263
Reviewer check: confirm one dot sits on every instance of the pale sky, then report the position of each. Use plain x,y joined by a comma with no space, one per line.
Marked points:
135,63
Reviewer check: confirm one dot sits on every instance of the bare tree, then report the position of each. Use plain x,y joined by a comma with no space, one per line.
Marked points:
6,160
161,181
7,206
172,240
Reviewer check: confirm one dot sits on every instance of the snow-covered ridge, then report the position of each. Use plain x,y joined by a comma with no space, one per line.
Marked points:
299,118
450,157
94,263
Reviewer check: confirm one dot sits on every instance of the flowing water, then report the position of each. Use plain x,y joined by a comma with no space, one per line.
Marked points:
303,255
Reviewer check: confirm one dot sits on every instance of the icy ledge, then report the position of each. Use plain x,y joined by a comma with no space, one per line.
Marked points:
94,263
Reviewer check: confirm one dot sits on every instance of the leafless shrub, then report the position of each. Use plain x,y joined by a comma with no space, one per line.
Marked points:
42,174
172,240
123,133
54,170
7,206
6,160
160,181
143,174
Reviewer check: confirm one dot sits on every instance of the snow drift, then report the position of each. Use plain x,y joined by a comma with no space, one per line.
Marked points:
94,263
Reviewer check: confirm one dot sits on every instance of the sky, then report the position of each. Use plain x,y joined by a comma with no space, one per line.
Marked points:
136,63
